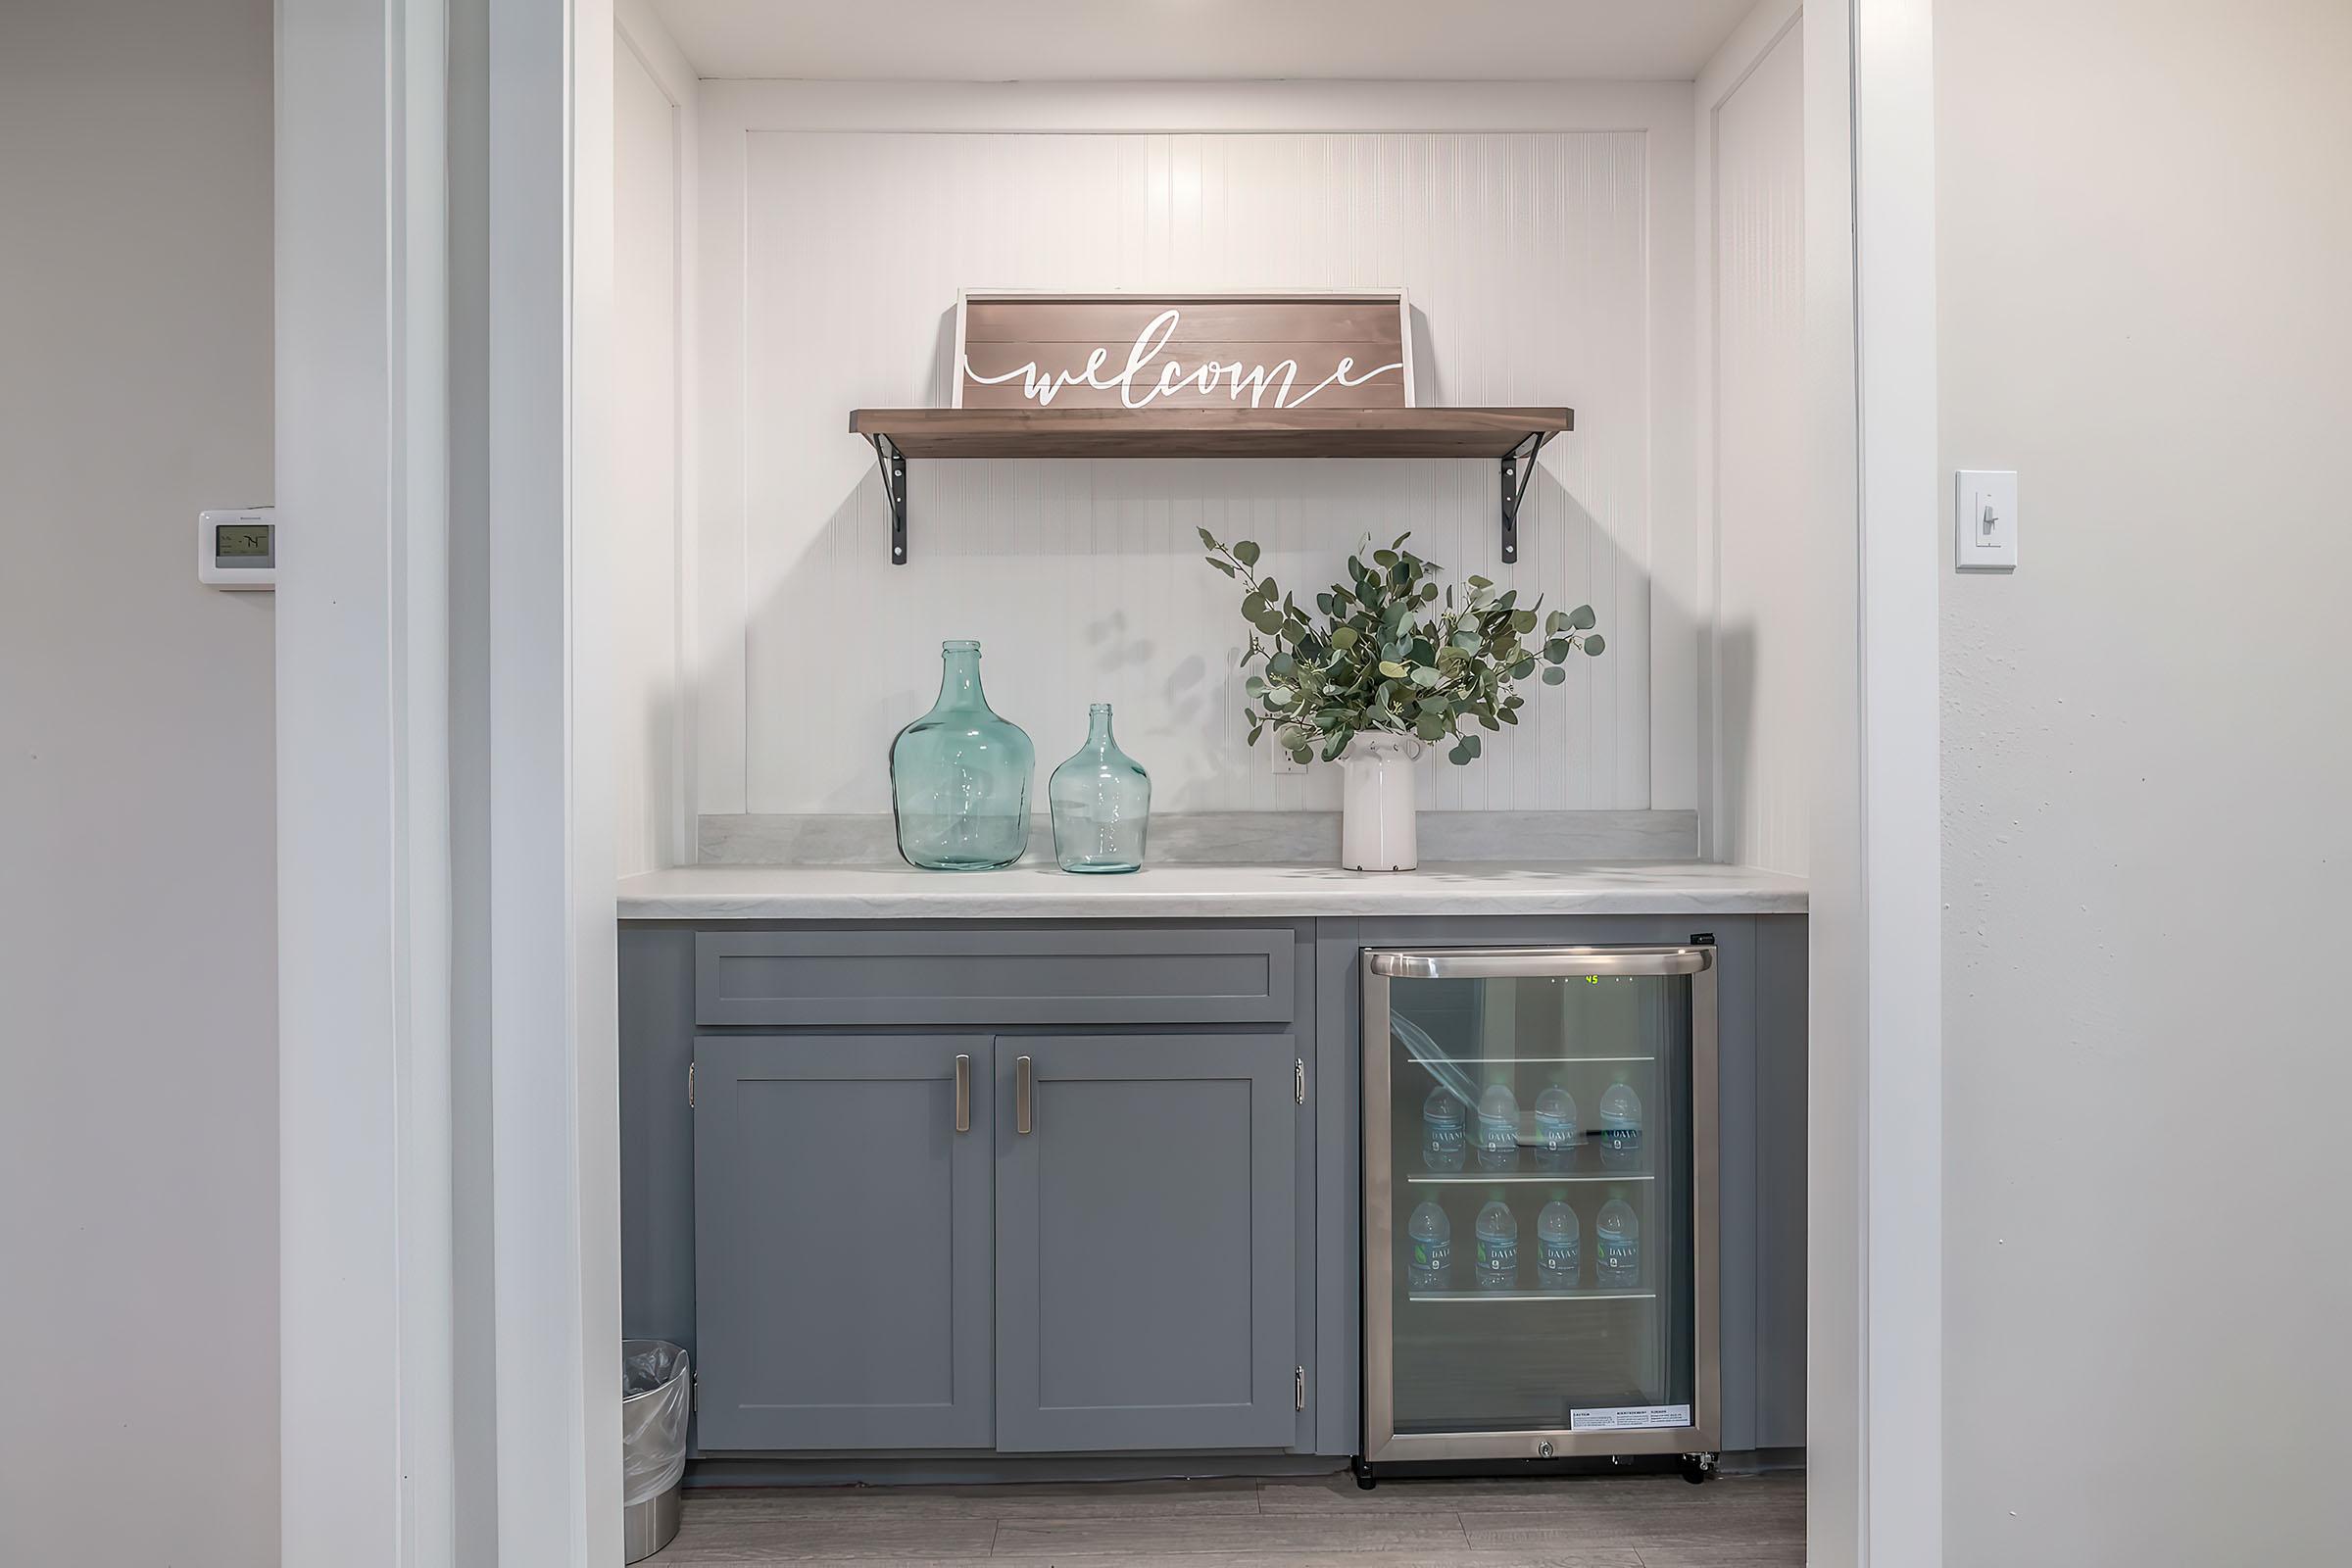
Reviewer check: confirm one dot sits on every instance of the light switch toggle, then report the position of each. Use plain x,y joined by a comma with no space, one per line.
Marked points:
1984,520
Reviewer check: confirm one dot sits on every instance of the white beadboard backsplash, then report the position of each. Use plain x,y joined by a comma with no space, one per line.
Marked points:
831,262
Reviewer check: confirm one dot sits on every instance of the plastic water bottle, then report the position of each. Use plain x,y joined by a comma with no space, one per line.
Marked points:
1429,1249
1497,1246
1559,1261
1499,1128
1617,1247
1555,1127
1620,1125
1444,1130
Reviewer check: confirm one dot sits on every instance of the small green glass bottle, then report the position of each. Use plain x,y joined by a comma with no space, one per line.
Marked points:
1102,802
960,776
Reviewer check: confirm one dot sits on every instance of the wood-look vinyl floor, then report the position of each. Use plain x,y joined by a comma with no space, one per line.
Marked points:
1574,1522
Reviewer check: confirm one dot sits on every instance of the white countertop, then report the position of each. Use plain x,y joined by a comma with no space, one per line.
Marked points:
1040,891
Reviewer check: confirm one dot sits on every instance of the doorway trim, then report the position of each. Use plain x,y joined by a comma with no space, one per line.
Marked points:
373,659
1875,1182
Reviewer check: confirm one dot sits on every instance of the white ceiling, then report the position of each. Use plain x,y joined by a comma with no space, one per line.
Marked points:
1046,40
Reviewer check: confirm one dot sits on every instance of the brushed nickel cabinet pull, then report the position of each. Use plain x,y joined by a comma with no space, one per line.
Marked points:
1024,1092
964,1094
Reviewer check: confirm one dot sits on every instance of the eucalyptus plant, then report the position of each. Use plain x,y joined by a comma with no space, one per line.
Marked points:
1391,651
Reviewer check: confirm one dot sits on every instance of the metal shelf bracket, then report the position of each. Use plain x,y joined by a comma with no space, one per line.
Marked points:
893,463
1518,472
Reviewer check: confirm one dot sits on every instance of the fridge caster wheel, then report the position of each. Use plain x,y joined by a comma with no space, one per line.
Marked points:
1697,1467
1363,1469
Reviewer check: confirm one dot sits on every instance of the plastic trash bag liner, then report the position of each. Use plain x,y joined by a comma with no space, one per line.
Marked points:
657,1391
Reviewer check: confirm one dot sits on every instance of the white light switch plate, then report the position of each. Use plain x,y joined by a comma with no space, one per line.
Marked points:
1984,520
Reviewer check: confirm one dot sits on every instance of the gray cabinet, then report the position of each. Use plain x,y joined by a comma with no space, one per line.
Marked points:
842,1240
1090,1246
1147,1234
853,1275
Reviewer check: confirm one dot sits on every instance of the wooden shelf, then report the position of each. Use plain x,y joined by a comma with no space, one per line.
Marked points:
1209,432
1508,436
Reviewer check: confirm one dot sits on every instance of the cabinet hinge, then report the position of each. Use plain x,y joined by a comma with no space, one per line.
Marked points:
1300,1386
1301,1066
690,1086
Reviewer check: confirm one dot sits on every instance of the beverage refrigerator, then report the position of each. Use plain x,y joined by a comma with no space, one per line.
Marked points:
1539,1205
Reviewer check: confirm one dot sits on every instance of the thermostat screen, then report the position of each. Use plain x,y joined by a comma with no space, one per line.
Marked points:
241,540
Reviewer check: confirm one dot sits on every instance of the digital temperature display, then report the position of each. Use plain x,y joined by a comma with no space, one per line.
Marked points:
236,549
241,541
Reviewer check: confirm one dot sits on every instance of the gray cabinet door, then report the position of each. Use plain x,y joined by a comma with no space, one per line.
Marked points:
843,1228
1147,1243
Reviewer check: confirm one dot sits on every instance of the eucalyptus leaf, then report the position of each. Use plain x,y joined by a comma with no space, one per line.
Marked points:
1390,649
1594,644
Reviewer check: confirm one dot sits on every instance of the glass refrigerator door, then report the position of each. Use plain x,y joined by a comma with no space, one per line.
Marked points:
1539,1271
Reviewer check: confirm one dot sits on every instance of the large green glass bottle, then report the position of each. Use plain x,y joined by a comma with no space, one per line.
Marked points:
960,776
1102,801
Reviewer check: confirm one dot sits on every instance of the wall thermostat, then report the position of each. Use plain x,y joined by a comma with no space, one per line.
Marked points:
237,549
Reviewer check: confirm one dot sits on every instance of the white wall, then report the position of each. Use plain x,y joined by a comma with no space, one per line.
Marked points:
138,1056
2143,228
1756,578
1547,261
653,124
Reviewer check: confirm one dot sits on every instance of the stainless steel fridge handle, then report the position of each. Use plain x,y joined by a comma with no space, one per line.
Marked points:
1510,963
964,1094
1023,1093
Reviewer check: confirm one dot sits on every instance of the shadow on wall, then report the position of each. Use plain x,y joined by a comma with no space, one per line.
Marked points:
1083,581
1734,687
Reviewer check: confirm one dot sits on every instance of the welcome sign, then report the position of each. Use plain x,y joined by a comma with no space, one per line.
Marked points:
1183,351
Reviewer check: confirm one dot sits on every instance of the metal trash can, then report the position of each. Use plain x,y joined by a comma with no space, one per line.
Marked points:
657,1392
